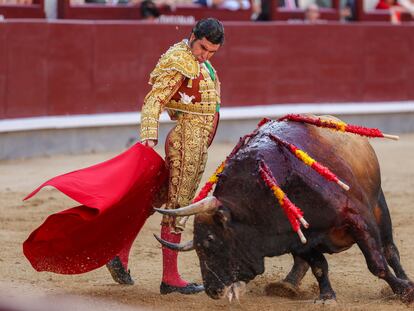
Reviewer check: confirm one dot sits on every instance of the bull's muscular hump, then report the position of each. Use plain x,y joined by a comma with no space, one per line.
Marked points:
350,156
231,249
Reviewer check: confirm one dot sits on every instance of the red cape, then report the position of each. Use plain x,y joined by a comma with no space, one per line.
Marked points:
117,198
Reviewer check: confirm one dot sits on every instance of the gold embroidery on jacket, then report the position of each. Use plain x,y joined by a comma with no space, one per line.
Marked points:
164,87
177,58
209,98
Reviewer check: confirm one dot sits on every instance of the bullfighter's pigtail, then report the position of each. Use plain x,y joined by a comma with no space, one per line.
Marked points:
305,158
292,212
338,125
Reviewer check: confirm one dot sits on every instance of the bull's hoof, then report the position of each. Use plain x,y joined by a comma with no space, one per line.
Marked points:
327,298
387,293
408,295
189,289
326,302
118,272
282,289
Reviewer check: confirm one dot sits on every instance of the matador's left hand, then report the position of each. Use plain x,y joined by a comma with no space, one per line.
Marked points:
150,143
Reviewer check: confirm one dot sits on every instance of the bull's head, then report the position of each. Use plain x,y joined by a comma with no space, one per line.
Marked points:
228,254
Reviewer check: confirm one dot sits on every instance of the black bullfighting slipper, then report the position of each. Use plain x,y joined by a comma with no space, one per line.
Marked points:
189,289
118,272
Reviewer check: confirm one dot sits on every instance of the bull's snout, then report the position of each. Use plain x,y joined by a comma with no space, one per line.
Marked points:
215,293
234,291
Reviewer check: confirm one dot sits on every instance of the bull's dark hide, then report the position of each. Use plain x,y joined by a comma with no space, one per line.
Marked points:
233,240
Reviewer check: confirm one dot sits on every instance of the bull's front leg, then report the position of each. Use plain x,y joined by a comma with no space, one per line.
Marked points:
289,287
366,235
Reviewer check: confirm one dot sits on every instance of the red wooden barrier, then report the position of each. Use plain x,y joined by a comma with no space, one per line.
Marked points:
284,14
3,71
35,10
200,12
132,12
97,11
95,67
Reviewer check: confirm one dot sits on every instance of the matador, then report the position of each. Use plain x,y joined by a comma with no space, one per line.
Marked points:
185,84
102,229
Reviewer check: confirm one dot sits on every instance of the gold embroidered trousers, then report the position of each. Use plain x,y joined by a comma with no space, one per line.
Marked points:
186,157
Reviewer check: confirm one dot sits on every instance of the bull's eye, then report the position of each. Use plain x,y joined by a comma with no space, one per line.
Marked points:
209,239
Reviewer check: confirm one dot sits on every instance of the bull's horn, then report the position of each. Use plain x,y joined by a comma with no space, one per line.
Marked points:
183,247
205,205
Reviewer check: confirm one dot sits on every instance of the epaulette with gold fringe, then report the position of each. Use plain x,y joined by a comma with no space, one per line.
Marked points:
179,58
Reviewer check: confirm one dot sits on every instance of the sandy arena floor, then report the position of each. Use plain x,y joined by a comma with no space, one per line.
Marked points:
356,288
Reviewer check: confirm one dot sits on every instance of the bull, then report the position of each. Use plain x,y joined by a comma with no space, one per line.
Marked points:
241,224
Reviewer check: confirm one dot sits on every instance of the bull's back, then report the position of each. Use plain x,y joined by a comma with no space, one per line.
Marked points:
349,156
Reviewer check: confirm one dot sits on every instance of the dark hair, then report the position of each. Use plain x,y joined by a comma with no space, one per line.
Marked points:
211,29
149,9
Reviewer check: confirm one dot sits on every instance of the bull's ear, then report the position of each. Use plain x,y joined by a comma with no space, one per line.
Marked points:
222,216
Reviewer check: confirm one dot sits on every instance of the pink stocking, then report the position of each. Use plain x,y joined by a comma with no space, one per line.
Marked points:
170,273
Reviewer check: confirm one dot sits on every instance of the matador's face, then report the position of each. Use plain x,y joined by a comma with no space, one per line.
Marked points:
202,49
